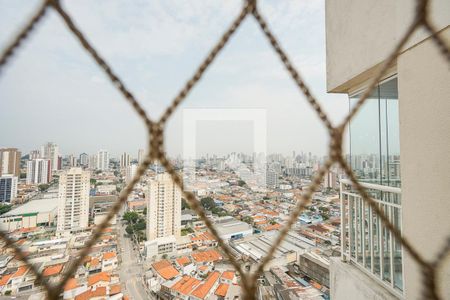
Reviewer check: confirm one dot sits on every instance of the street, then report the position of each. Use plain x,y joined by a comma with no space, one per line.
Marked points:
130,271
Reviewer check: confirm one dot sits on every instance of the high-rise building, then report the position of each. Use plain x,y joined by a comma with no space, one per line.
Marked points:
39,171
272,179
399,145
103,160
330,180
130,171
93,162
10,161
73,200
51,151
72,160
125,160
8,188
84,159
163,208
141,155
34,154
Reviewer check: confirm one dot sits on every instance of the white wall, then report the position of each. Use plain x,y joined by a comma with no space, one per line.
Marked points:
361,33
424,92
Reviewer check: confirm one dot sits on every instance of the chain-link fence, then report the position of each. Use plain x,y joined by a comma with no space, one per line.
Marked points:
155,129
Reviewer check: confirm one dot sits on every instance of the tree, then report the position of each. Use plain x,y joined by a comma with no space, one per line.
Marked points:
4,208
141,225
131,216
248,220
93,181
129,229
184,204
208,203
241,183
43,187
144,212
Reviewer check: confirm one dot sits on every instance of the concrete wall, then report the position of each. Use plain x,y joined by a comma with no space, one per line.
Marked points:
348,282
424,93
361,33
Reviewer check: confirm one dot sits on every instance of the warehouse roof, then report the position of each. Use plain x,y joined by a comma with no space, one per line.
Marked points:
34,206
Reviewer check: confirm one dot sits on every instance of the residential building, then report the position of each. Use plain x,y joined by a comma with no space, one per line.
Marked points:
125,160
130,171
272,179
39,171
73,200
404,119
93,162
10,161
8,188
163,208
103,160
141,155
84,160
34,154
51,151
72,160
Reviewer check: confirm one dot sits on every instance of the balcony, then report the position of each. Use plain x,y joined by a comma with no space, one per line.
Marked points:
365,242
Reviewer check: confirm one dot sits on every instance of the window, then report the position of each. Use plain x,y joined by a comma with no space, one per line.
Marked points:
375,159
374,136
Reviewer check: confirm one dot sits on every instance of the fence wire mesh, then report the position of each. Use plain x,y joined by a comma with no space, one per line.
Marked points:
155,141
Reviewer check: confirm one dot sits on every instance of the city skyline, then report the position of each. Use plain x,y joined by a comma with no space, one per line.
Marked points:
236,80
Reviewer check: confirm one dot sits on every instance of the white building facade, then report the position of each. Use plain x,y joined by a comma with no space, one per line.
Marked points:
73,200
39,171
103,160
163,208
399,145
51,151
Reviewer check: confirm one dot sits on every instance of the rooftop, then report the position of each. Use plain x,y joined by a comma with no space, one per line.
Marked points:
165,269
203,289
35,206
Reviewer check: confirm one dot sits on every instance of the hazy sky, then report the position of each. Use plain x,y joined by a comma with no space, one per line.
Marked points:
53,91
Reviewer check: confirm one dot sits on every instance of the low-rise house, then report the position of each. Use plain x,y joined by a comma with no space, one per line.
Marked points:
207,288
109,261
101,279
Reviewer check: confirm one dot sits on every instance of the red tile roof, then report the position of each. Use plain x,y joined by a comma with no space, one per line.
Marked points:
165,269
4,279
52,270
89,294
229,275
185,285
203,289
207,256
102,276
115,289
222,290
183,261
71,284
109,255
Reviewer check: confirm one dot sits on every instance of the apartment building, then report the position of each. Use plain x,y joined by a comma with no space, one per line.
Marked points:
125,160
398,145
10,161
39,171
102,160
51,151
163,215
73,200
8,188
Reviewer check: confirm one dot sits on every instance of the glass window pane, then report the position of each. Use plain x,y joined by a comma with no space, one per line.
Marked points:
390,135
365,140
